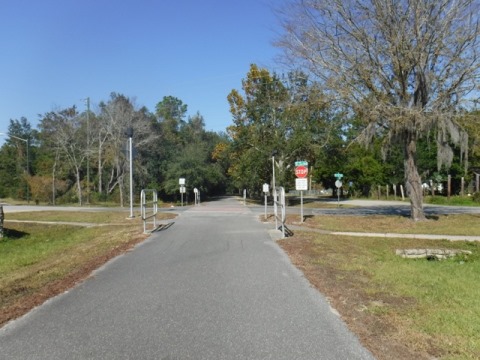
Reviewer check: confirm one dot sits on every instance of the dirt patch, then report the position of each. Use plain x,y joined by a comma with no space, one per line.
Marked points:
362,312
28,301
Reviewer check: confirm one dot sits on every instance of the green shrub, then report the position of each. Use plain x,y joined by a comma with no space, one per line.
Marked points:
476,197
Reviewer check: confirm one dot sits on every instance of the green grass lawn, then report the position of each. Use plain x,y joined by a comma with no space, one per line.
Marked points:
36,259
95,217
432,306
452,200
465,224
447,300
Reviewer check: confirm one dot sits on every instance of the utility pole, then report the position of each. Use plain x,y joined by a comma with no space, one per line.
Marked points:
274,190
88,150
129,133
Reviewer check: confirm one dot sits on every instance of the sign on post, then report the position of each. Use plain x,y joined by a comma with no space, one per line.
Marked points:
301,171
265,192
197,196
181,182
338,184
301,182
266,188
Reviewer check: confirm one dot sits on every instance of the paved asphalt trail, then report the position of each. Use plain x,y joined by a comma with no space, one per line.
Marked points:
211,286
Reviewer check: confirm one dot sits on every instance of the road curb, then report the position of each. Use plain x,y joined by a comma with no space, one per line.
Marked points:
389,235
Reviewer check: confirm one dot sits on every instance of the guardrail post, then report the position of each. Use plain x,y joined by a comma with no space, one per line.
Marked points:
276,203
146,215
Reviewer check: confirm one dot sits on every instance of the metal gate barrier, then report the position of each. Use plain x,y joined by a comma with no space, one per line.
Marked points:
279,201
149,209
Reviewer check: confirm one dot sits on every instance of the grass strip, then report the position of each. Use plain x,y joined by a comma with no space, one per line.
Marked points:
38,261
94,217
457,224
401,308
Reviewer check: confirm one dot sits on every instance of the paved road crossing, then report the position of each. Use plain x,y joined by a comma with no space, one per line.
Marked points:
211,286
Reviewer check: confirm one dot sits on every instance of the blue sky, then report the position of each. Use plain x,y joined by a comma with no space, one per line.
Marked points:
54,53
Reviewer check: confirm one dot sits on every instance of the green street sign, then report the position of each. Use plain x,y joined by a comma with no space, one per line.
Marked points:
338,175
301,163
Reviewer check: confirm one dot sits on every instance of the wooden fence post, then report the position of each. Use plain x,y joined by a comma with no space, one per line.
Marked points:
449,186
2,217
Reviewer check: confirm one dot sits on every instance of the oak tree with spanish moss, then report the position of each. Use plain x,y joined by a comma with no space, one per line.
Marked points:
407,68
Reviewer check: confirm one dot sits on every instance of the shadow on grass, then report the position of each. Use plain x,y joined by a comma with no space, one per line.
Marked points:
294,201
11,234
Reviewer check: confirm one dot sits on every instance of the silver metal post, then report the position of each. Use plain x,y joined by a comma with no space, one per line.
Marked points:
273,170
88,150
28,171
301,206
265,206
131,175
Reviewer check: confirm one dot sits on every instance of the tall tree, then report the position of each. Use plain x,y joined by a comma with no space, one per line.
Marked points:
185,150
405,67
117,115
171,113
257,129
63,132
194,129
17,156
284,116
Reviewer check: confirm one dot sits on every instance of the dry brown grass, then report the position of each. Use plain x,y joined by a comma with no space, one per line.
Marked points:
95,217
465,224
399,308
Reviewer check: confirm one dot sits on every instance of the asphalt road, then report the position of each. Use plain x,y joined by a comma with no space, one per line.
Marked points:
211,286
372,207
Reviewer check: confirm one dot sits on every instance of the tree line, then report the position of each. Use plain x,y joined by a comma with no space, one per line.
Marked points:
405,69
382,91
83,156
284,119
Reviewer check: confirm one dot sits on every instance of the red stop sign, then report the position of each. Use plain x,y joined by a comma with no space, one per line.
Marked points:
301,171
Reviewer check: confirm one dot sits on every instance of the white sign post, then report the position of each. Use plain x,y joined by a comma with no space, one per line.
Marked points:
197,196
301,184
181,182
265,192
338,184
182,191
